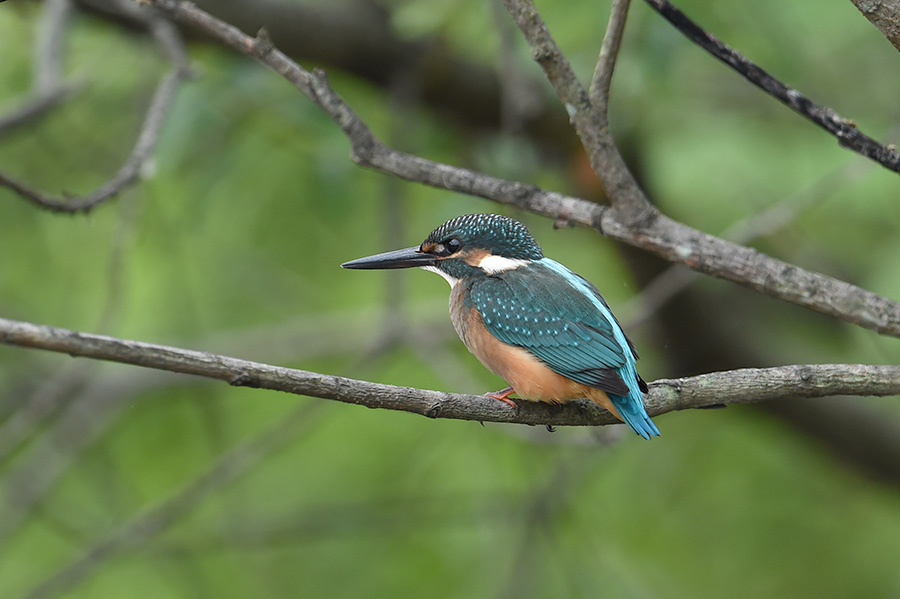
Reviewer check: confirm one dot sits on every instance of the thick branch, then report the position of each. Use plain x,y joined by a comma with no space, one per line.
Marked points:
669,239
885,15
737,386
843,129
711,255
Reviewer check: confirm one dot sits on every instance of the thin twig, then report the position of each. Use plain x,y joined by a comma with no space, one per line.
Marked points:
676,278
229,467
169,39
609,51
736,386
843,129
127,174
516,95
654,232
34,106
48,49
88,413
48,89
65,383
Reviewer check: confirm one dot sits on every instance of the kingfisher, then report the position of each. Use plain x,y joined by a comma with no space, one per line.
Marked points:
530,320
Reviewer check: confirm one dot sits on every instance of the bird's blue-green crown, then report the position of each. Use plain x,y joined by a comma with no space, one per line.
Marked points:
501,235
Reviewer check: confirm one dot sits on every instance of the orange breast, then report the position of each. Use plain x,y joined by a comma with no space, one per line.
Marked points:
531,378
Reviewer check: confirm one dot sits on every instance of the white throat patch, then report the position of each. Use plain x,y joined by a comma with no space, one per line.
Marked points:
448,278
493,265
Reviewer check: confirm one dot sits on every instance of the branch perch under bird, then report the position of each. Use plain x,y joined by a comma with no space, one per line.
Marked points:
746,385
530,320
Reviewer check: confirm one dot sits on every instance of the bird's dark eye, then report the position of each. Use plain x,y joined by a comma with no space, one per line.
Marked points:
447,248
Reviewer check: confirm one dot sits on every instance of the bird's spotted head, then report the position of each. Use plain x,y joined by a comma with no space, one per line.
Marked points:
468,245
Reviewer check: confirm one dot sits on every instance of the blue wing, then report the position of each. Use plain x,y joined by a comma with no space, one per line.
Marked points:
563,320
541,309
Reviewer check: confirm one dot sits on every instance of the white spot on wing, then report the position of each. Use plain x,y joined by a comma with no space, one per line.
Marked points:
492,264
448,278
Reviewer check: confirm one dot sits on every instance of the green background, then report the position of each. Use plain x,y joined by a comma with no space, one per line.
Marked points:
231,243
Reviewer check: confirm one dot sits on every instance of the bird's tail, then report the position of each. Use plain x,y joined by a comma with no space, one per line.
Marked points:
632,411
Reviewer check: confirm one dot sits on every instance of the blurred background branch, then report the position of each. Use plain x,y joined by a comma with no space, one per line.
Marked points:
233,246
358,37
169,39
235,463
47,88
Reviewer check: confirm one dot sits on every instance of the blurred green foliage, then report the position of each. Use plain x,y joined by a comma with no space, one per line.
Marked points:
232,243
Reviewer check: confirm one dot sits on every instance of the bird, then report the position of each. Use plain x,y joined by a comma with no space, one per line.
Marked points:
545,330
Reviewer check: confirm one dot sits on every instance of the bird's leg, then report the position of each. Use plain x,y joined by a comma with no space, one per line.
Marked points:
503,395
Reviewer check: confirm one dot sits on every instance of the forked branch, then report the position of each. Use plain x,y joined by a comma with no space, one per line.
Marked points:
129,173
629,220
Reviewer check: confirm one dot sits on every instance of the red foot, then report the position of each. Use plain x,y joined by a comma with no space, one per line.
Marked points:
503,395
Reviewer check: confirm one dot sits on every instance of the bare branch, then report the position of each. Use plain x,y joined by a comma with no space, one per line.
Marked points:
359,37
128,174
737,386
60,387
885,15
34,106
711,255
48,44
48,89
606,63
229,467
89,408
624,193
676,278
517,98
673,241
843,129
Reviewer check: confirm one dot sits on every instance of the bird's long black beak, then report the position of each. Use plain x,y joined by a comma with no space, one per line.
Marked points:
397,259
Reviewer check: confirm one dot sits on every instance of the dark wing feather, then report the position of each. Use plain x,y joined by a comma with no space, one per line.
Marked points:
536,309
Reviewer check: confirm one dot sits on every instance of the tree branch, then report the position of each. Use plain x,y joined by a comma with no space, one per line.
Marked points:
609,51
671,240
843,129
747,385
47,89
229,467
86,410
168,38
885,15
674,279
358,37
628,200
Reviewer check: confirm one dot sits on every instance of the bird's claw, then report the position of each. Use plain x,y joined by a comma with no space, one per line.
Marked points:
503,395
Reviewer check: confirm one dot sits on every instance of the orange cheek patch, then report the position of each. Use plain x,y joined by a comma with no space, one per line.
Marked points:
474,257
